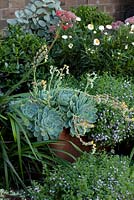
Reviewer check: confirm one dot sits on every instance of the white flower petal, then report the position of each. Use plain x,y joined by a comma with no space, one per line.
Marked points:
64,37
109,26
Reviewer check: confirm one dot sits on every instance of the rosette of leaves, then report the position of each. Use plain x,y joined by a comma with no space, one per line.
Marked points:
37,17
48,124
46,114
42,121
79,111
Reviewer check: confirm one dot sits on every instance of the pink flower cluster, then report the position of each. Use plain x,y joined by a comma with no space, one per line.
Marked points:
67,18
130,20
116,25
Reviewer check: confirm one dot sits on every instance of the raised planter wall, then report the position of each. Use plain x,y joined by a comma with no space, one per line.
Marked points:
120,9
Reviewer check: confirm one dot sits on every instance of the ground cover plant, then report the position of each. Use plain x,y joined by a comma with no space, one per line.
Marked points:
93,176
99,104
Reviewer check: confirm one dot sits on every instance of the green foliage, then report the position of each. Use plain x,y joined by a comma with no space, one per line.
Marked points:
115,116
106,115
37,17
20,156
91,14
114,53
100,48
15,150
93,176
120,88
20,194
112,127
16,55
115,96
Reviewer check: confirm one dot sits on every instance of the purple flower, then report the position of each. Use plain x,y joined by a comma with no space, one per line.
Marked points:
117,24
130,20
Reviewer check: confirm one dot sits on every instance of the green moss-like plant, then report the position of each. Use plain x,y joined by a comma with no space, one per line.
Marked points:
92,177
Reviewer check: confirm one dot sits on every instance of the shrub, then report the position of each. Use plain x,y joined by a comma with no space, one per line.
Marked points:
17,50
115,109
93,176
113,53
120,88
100,48
91,15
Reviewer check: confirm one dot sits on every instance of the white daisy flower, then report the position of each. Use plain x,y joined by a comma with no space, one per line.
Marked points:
96,42
101,28
70,45
109,26
64,37
90,27
78,19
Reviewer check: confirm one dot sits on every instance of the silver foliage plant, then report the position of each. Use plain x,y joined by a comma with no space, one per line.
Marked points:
46,121
37,17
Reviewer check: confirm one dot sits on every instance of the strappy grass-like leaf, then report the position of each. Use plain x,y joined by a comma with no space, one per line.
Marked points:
8,164
16,134
23,131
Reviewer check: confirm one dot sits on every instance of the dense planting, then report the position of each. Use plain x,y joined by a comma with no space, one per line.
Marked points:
69,70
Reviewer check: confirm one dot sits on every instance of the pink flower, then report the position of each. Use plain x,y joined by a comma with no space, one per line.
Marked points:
130,20
59,13
65,15
117,24
67,18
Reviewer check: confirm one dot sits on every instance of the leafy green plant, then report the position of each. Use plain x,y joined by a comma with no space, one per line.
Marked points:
115,44
115,121
37,17
20,156
5,194
91,15
120,88
17,50
115,110
93,176
113,126
97,47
